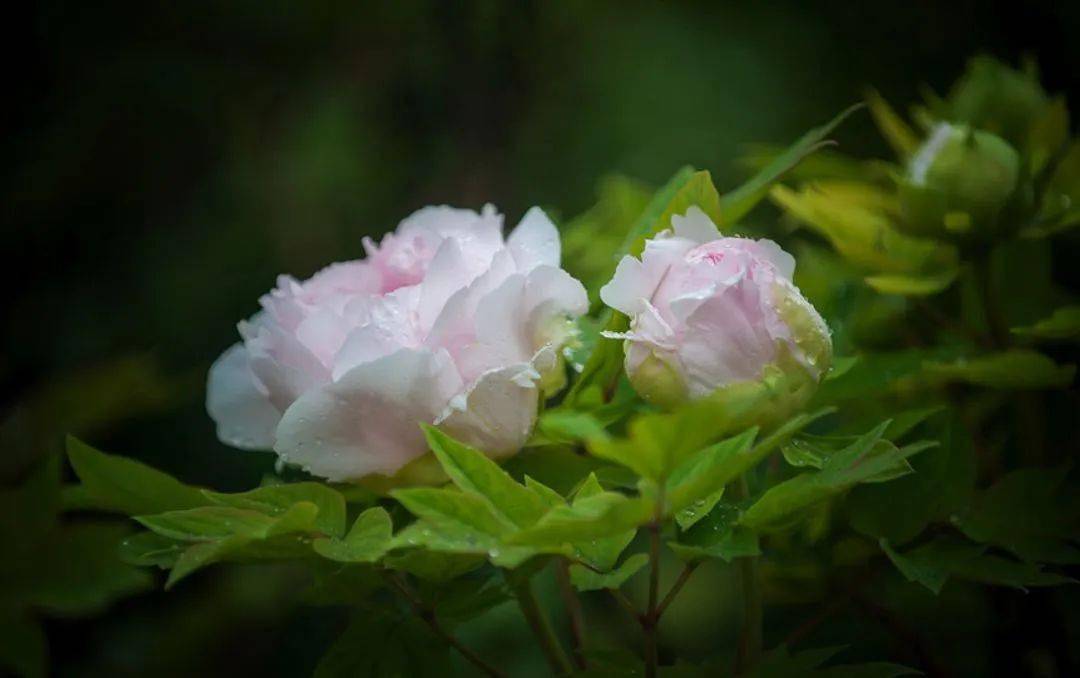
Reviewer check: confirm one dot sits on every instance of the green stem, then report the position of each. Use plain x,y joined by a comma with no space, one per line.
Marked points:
427,615
541,628
574,612
750,642
651,619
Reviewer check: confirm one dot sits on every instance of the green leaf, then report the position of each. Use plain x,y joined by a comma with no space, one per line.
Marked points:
603,515
1014,369
585,579
366,542
897,133
913,285
274,500
545,493
207,523
433,566
688,188
718,535
735,204
708,471
127,486
941,486
934,562
860,222
456,538
478,475
454,508
468,597
692,513
1030,512
151,549
601,552
865,460
203,554
1064,324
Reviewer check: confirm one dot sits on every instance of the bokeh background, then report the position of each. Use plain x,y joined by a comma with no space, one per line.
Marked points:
167,160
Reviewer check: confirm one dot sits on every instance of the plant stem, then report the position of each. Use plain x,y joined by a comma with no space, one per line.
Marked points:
651,619
684,576
541,628
750,642
573,611
426,614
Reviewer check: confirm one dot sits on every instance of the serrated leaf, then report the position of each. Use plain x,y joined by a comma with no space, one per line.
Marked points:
735,204
1062,325
1014,369
585,579
127,486
274,500
367,541
476,474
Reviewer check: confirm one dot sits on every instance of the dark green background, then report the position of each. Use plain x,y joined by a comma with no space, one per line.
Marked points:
166,160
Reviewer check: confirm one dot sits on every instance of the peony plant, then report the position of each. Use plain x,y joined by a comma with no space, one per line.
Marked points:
455,422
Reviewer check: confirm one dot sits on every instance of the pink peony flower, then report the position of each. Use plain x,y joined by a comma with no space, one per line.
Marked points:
707,312
445,322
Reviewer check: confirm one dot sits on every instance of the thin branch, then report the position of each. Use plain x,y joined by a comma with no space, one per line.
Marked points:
625,603
574,612
428,616
541,628
684,576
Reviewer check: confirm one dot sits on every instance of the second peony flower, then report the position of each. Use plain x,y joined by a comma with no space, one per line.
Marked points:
444,322
708,312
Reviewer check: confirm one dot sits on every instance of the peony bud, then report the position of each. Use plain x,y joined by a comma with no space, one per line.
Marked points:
958,182
443,323
707,313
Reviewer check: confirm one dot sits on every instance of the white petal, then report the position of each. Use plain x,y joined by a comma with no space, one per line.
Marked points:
535,241
244,416
284,366
770,251
368,421
498,413
695,226
447,273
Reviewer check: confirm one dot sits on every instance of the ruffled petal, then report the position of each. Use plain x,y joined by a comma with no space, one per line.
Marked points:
243,414
368,421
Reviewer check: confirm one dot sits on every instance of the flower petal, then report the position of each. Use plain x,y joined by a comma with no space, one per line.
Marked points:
498,413
535,241
695,226
244,416
368,421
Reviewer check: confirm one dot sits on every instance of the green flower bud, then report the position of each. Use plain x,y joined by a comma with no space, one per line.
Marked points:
958,182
